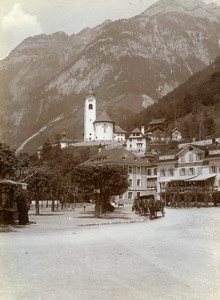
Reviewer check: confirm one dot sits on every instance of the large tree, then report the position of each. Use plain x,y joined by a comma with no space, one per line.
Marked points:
103,180
8,161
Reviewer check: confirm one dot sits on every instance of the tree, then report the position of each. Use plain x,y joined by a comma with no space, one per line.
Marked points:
209,125
46,150
105,180
8,161
44,183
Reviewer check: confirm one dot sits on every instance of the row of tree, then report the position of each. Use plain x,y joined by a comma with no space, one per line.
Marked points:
61,175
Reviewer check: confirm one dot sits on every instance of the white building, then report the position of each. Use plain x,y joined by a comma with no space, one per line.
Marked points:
103,128
176,134
119,134
193,164
137,141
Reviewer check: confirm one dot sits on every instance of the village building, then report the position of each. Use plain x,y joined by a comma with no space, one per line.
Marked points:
191,170
176,134
155,123
137,141
119,134
142,174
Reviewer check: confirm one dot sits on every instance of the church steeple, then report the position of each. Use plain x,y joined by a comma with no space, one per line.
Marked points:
89,116
91,90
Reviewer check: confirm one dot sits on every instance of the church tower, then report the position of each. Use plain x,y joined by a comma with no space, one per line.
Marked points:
89,117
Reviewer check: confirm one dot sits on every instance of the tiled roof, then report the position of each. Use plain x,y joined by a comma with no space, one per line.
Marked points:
157,121
118,129
116,156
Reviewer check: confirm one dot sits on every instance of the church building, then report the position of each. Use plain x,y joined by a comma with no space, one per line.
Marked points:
98,128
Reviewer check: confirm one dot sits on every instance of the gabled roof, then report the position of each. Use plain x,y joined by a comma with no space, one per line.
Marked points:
136,130
116,156
168,156
176,128
118,129
103,117
201,148
157,121
154,129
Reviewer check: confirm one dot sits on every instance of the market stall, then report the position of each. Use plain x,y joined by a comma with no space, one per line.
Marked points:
9,190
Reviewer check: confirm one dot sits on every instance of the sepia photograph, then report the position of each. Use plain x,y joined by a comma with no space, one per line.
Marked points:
110,150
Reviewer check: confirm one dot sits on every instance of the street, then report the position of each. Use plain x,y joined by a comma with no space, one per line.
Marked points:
175,257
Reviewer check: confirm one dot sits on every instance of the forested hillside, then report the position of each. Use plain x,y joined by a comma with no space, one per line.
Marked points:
194,106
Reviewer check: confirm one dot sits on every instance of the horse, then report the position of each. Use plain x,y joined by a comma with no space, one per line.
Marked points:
156,206
140,205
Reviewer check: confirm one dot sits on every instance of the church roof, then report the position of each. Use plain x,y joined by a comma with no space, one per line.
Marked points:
103,117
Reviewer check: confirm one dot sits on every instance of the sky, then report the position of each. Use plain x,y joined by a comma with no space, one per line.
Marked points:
22,18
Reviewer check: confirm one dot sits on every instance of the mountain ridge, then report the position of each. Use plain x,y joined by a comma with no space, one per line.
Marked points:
131,63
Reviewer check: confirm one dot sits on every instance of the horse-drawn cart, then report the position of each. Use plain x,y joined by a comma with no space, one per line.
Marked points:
148,205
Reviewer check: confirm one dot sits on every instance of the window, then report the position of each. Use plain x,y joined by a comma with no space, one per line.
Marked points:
171,172
138,170
90,106
163,172
182,158
149,172
130,195
130,170
130,182
190,157
213,169
138,182
182,172
199,156
155,171
191,171
104,128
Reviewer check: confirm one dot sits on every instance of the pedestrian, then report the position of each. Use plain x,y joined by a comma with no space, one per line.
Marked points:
84,205
23,209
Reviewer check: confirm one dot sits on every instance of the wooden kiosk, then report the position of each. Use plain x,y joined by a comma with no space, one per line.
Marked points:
8,206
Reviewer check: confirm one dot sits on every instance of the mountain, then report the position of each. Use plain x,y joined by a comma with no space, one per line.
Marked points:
130,64
193,107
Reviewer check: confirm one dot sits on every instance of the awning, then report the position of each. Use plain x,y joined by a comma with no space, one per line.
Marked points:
201,177
183,178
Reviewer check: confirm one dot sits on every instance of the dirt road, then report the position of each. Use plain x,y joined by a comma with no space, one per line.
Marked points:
176,257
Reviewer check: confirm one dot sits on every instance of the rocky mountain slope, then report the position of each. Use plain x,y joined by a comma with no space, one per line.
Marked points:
130,64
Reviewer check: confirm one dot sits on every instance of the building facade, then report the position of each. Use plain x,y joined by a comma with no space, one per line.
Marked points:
191,168
140,183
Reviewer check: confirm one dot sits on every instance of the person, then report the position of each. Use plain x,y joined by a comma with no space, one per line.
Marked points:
84,205
23,209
